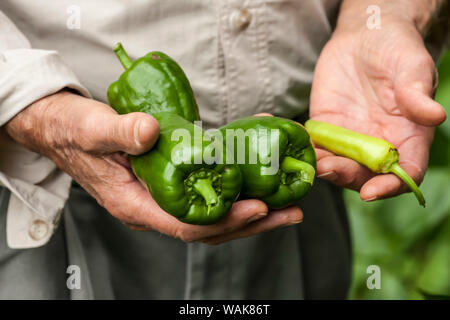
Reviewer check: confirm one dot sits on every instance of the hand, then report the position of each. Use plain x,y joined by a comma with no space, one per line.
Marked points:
381,83
88,140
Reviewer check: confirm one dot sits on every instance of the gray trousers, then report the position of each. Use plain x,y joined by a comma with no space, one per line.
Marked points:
311,260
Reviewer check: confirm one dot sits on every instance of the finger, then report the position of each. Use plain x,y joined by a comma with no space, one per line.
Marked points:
275,219
414,88
137,207
322,153
136,227
342,171
121,158
106,132
242,213
263,114
141,209
413,159
388,185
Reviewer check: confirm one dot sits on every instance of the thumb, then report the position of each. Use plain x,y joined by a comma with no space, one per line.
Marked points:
133,133
414,88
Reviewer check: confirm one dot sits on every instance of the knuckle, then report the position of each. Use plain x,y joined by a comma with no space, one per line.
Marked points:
423,59
127,125
54,134
188,239
349,180
428,61
85,135
297,216
418,176
294,215
180,233
284,219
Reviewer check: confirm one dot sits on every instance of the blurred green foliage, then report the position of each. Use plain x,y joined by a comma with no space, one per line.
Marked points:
411,245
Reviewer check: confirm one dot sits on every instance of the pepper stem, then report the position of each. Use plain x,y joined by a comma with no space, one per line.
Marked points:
291,165
122,55
399,172
205,189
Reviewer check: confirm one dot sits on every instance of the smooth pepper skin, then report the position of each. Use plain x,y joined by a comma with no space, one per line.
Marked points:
153,83
376,154
172,183
295,164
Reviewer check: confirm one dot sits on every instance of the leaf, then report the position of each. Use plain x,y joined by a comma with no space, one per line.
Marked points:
435,277
394,235
440,149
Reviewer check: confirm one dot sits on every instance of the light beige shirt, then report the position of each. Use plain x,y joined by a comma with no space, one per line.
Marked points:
241,56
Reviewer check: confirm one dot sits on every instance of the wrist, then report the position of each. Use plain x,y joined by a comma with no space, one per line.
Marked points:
420,14
34,125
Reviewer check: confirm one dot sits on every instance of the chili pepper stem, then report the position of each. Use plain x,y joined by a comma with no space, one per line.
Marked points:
291,165
122,55
205,189
399,172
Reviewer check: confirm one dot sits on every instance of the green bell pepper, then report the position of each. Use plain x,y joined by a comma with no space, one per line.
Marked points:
194,193
295,163
153,83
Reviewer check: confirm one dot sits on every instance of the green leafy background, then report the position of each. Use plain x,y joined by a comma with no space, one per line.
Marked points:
410,244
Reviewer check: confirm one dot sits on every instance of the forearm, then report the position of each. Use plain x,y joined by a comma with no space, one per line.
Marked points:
419,13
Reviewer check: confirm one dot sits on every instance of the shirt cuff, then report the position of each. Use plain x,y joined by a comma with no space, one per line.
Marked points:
39,190
27,75
34,212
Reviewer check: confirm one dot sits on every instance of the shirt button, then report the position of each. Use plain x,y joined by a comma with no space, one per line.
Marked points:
240,19
38,230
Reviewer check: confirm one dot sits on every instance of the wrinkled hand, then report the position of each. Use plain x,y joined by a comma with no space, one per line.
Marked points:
89,141
381,83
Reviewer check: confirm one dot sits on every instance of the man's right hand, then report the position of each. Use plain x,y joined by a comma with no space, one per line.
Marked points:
89,141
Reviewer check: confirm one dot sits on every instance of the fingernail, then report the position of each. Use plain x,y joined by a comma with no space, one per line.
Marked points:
291,223
257,217
331,175
371,199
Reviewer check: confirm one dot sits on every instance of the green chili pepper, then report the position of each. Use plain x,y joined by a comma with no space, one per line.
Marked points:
191,190
153,83
289,176
376,154
194,193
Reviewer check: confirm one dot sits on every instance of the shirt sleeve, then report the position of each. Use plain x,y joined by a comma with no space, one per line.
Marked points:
38,189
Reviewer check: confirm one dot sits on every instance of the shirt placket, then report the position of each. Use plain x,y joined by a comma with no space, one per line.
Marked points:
244,39
243,87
